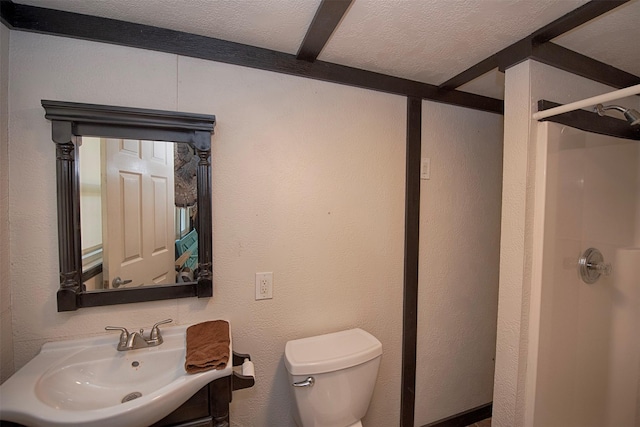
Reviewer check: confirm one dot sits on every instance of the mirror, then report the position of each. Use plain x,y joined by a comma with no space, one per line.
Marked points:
138,211
117,208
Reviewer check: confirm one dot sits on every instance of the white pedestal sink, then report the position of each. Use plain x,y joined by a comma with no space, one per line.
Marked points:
87,382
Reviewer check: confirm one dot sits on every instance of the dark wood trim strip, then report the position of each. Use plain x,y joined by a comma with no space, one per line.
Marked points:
514,54
522,49
574,19
325,21
575,63
140,294
85,27
128,116
7,10
465,418
506,58
591,122
477,70
411,248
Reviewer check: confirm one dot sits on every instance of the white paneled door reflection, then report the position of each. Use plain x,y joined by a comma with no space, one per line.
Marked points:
140,208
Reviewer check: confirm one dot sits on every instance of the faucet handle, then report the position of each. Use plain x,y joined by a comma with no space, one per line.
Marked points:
124,334
155,331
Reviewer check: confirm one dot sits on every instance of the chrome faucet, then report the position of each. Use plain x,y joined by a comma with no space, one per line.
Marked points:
135,340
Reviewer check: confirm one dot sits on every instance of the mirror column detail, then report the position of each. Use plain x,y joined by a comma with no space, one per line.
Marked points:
68,214
202,145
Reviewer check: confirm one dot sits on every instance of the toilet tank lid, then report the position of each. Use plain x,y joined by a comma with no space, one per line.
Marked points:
330,352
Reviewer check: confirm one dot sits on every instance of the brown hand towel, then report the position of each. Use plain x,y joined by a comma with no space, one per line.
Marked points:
207,346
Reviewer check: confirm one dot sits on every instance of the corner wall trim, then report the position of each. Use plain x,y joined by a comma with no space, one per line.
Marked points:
411,248
105,30
465,418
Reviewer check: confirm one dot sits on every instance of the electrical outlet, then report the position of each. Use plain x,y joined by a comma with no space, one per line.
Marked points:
264,286
425,168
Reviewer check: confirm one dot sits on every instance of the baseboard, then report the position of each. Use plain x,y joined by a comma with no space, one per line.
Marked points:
465,418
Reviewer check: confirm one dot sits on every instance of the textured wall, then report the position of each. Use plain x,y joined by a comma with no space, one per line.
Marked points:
516,128
459,258
526,83
6,332
308,182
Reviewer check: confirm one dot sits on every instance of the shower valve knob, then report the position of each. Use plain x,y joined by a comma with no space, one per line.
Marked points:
591,266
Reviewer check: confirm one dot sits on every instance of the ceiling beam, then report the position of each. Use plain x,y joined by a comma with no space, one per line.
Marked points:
105,30
575,63
6,13
325,21
522,49
575,18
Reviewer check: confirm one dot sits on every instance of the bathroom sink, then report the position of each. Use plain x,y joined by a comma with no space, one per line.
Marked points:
87,382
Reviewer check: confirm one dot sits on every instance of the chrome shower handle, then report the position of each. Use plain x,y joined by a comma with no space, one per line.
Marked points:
591,266
309,382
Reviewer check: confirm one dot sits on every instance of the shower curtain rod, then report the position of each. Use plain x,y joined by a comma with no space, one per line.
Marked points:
611,96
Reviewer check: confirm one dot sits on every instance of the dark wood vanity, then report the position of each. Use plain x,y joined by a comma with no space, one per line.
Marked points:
209,407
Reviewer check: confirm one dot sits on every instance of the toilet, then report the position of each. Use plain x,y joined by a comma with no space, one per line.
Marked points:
332,377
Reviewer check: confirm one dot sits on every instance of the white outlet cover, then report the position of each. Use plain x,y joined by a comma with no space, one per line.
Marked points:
425,168
264,286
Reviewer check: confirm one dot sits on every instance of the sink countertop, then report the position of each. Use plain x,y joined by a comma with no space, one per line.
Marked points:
26,398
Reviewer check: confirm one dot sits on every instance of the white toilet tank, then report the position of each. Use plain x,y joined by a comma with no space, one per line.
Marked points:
335,375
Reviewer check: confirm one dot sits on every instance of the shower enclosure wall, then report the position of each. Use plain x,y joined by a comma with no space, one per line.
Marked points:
587,362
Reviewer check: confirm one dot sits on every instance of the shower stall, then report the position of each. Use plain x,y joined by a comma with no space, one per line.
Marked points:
586,293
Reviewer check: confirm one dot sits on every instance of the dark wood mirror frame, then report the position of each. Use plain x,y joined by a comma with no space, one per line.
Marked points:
69,122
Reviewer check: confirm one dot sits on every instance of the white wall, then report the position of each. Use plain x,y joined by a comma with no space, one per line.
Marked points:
307,183
459,256
526,83
6,331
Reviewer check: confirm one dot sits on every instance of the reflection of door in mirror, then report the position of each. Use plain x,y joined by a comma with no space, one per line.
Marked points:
140,212
137,205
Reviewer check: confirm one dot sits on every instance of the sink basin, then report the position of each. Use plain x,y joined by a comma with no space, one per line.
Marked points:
87,382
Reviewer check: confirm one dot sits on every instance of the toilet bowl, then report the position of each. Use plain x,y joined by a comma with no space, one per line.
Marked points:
332,377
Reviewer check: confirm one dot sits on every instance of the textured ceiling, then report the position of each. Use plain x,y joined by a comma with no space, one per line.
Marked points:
272,24
424,40
613,38
431,41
